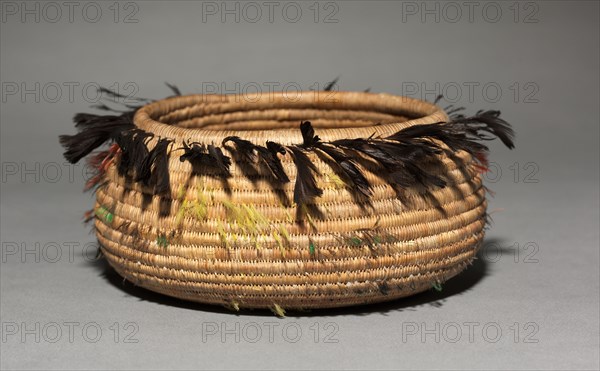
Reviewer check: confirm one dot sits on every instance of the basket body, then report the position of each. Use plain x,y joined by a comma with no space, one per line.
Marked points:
237,241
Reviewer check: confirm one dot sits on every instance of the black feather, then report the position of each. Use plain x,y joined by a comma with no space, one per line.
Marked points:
308,135
418,138
345,166
245,148
139,150
462,133
144,171
160,172
273,161
174,88
347,169
275,147
133,150
88,120
222,162
486,122
266,155
94,130
196,155
331,84
114,94
374,149
125,142
200,156
421,135
305,189
400,160
452,111
193,152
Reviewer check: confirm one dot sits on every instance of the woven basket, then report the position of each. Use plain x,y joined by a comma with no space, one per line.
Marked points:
244,240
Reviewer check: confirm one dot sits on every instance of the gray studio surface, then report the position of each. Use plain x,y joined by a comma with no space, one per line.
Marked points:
531,301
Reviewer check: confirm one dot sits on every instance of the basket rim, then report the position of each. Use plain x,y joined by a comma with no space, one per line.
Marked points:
146,118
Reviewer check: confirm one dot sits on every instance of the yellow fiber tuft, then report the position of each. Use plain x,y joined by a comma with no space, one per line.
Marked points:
278,310
335,180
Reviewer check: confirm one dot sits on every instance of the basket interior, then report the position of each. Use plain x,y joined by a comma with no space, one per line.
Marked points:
209,118
287,118
242,114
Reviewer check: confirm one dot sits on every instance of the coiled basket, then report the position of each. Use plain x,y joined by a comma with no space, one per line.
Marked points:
320,199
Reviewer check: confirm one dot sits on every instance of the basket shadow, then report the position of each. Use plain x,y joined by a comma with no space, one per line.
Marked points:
458,285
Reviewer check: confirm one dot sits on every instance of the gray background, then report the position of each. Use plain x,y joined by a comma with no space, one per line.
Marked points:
538,271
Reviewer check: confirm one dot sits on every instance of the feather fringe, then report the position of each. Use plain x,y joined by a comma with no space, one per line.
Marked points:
94,131
305,189
346,168
206,156
399,157
160,172
265,155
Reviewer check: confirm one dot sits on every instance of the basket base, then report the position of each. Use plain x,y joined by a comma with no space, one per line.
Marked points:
344,295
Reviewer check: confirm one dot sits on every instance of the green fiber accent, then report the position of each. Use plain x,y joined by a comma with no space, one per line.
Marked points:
181,192
355,241
222,233
437,286
103,213
180,216
162,241
198,207
311,248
